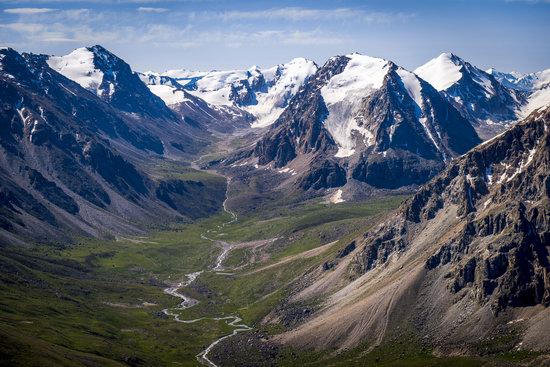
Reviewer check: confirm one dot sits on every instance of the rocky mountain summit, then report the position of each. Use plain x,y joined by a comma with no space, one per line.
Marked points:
478,95
372,117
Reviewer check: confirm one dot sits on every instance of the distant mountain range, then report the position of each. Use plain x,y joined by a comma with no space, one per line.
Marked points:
85,129
535,85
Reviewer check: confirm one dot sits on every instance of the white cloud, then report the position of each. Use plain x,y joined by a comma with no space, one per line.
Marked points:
144,9
24,27
296,37
26,11
311,38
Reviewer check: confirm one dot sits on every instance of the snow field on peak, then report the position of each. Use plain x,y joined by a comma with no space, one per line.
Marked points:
541,79
215,86
286,80
361,73
538,99
79,67
168,94
440,72
343,95
412,85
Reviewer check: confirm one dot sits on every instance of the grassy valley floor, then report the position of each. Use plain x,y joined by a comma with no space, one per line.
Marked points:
100,302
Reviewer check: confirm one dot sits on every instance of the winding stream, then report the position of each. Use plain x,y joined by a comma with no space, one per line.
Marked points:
187,302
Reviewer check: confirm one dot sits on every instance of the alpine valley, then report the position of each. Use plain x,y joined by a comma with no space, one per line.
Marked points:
350,213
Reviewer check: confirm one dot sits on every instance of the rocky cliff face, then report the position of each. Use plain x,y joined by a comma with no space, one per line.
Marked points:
501,194
412,141
299,129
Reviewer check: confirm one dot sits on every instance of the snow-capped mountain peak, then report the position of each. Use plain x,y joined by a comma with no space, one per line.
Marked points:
282,82
110,78
360,116
346,94
447,70
79,66
343,94
477,94
441,72
264,93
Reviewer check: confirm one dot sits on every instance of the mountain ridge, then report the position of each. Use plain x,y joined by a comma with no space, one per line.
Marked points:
390,101
469,249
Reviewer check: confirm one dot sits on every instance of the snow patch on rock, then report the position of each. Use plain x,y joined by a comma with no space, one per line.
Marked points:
343,95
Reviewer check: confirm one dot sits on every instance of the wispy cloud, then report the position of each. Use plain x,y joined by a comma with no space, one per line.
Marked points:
302,14
80,26
25,28
144,9
297,37
26,11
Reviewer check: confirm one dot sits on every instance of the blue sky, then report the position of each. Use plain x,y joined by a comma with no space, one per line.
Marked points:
223,34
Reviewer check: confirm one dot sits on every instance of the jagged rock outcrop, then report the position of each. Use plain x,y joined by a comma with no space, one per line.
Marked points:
501,193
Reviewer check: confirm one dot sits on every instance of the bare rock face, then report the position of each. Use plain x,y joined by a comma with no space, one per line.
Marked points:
501,192
397,169
324,174
299,129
